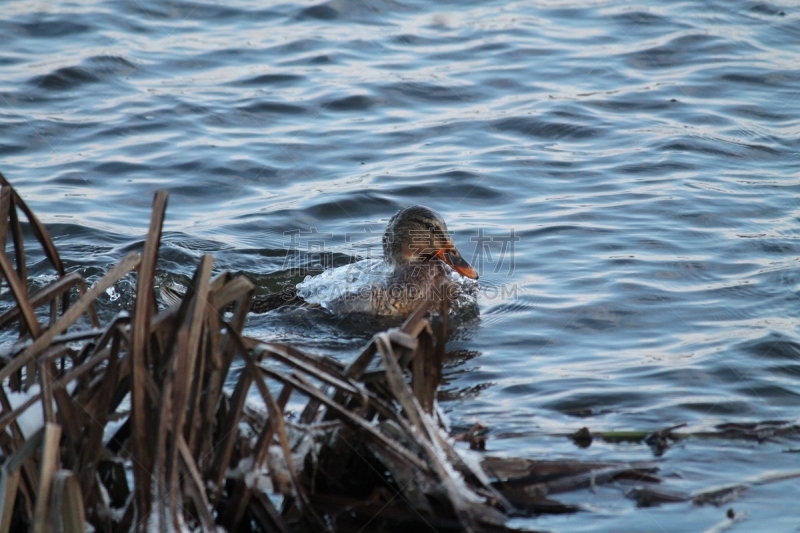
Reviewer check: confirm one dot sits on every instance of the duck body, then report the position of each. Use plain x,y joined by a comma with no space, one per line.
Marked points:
371,287
418,255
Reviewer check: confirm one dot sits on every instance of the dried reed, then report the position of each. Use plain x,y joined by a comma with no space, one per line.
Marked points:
367,449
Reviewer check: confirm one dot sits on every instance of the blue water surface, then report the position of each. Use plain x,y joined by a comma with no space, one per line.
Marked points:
624,175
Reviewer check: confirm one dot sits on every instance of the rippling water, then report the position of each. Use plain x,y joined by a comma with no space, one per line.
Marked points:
624,176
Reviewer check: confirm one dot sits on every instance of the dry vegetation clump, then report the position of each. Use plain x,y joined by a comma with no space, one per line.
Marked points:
139,432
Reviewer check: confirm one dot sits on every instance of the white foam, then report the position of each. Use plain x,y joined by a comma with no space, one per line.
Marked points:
358,278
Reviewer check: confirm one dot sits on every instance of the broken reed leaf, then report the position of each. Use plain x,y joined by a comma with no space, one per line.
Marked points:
65,338
19,243
69,514
9,482
342,383
224,448
5,209
49,464
266,514
20,291
98,416
413,410
38,229
279,428
143,467
242,494
184,360
337,410
71,315
196,486
265,437
220,350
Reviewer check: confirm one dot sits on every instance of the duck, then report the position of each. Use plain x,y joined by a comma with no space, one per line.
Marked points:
418,253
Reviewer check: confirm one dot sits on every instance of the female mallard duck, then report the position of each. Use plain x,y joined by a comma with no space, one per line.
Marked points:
418,254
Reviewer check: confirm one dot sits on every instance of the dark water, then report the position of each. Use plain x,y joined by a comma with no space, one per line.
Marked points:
644,154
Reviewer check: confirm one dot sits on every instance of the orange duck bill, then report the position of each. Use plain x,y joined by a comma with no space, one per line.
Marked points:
451,257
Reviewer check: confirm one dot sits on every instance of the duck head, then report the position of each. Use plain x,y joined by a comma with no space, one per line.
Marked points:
418,234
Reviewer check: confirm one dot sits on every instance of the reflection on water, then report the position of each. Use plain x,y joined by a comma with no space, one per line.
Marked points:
645,155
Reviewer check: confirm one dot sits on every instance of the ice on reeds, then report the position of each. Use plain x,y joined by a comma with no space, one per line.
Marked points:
135,429
31,419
